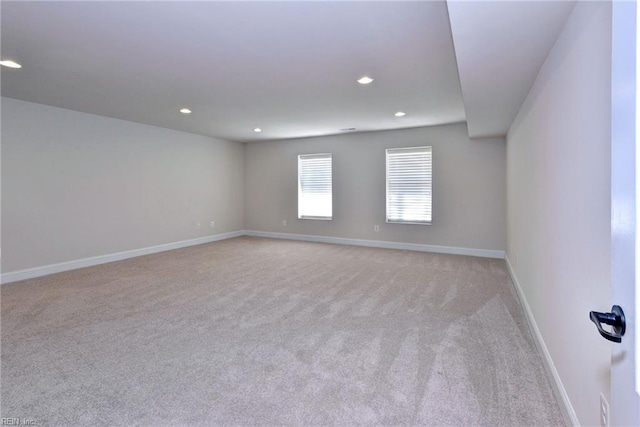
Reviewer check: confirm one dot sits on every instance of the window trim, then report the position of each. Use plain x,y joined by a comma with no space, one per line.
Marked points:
313,217
392,221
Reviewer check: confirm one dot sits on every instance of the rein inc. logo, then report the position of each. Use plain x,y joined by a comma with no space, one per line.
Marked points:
17,422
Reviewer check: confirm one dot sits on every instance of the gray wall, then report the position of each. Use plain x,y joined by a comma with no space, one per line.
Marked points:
468,192
76,185
558,203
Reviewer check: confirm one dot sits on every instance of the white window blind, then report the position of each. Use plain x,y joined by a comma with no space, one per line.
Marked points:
409,182
315,186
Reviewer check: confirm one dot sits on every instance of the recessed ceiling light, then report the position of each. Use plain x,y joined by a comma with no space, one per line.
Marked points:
9,63
257,130
365,80
185,111
400,114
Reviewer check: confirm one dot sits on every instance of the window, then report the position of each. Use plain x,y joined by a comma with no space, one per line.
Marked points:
409,180
315,186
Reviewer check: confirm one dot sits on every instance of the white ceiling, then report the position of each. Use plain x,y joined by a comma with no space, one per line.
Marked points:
289,68
500,47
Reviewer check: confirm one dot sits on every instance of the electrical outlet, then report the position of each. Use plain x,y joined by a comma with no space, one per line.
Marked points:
284,222
376,228
198,226
213,224
604,411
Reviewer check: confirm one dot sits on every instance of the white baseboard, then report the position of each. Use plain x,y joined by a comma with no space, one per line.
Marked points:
561,393
485,253
45,270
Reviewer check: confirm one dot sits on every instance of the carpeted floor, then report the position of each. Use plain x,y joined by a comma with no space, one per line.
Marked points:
256,331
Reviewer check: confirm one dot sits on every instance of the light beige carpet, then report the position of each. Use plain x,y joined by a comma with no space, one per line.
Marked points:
256,331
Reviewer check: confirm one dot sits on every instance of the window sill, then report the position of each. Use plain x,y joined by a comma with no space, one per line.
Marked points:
319,218
409,222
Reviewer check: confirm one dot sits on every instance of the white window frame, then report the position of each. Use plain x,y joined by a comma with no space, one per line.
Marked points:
427,182
301,158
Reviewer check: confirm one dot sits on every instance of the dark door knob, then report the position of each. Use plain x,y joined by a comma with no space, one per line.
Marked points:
615,319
